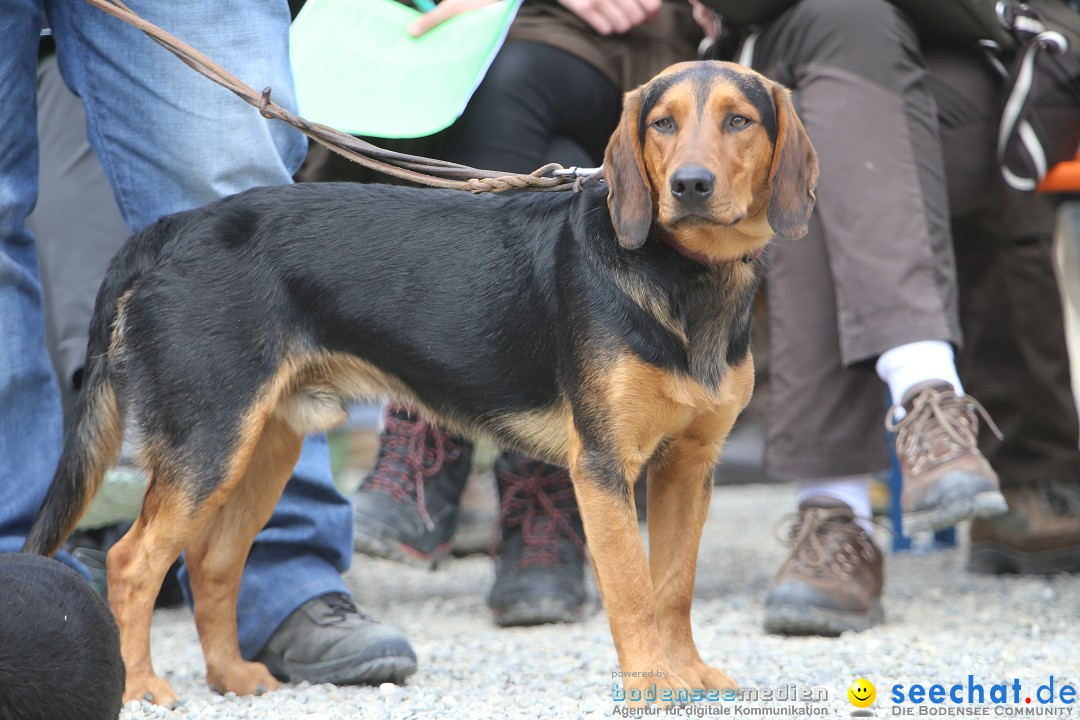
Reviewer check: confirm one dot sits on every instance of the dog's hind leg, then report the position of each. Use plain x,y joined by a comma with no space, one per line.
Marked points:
213,485
137,564
215,560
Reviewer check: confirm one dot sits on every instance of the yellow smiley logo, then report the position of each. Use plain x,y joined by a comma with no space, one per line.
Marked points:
861,693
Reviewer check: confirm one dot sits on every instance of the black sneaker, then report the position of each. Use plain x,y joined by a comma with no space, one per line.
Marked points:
407,508
327,640
540,568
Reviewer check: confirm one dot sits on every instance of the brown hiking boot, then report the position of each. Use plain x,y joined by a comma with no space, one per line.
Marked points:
1040,535
540,564
406,509
946,478
831,582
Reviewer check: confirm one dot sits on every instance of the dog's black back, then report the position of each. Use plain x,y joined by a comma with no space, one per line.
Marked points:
59,645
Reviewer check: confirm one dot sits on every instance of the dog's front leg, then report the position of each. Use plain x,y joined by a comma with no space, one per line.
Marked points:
680,487
610,519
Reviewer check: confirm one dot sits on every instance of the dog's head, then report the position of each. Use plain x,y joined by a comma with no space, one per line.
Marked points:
714,154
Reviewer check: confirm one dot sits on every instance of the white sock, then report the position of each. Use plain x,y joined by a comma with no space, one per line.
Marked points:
852,490
905,366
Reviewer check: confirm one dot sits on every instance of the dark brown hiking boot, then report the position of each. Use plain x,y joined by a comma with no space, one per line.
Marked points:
1040,535
831,582
540,566
946,479
407,508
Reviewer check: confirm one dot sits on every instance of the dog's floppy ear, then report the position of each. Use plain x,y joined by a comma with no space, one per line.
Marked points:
794,171
629,197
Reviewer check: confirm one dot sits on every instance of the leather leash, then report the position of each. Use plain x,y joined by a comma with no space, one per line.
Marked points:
411,168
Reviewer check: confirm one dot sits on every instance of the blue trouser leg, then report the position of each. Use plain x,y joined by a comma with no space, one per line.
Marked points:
30,422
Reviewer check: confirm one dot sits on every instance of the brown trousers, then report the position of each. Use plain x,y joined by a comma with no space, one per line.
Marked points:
907,178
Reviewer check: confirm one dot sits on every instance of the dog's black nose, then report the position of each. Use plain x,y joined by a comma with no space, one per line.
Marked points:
692,184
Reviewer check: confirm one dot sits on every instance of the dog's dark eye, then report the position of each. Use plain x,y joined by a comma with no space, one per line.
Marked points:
664,124
739,121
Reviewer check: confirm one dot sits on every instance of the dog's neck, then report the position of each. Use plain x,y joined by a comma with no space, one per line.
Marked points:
704,259
695,241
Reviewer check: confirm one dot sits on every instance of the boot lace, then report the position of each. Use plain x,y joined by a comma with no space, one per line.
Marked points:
824,541
542,502
339,607
941,425
412,451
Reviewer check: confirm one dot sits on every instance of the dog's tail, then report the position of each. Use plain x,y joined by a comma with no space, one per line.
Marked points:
96,431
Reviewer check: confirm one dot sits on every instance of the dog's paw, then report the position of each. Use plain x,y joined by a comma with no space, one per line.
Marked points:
242,678
702,677
659,691
150,688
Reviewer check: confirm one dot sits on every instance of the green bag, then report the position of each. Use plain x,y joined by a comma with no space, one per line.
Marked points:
357,68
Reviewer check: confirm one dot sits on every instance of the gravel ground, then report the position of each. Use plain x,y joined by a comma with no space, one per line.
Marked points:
942,625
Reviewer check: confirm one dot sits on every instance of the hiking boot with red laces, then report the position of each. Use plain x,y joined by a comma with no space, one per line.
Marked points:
407,508
832,581
946,479
540,567
1040,535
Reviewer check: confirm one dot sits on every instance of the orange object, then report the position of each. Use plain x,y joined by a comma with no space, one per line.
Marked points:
1063,177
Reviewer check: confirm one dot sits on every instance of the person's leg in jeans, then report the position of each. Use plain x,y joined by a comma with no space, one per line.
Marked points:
1015,358
77,225
30,420
169,139
874,283
537,104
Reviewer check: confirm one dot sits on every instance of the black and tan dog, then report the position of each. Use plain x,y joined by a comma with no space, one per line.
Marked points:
607,330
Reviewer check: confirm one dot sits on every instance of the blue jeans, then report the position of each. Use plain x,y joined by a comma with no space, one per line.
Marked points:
169,140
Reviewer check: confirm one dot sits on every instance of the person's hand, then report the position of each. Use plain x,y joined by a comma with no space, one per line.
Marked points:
609,17
706,19
443,12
